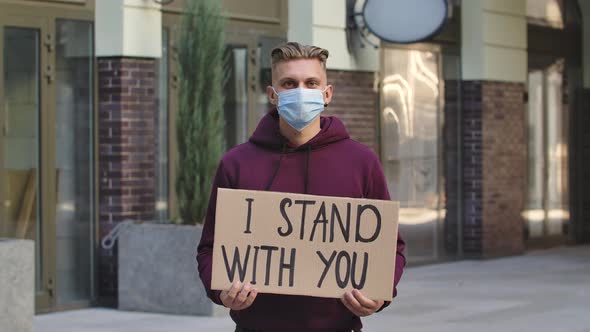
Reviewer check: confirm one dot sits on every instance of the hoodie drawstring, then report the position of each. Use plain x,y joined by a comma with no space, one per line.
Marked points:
307,170
274,175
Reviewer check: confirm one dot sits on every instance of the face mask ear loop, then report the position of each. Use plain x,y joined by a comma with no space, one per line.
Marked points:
276,94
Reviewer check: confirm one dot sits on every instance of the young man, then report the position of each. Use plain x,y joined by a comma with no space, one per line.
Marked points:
295,150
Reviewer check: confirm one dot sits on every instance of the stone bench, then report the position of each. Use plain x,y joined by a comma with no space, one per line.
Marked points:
17,285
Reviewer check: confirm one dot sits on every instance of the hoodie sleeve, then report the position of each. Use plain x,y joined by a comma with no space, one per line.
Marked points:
205,248
377,189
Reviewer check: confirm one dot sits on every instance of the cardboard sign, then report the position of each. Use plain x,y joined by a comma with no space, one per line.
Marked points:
305,245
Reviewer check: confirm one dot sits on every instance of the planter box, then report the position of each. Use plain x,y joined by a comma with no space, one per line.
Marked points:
17,285
158,271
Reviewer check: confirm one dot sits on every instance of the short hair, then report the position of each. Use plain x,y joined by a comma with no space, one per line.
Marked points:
294,50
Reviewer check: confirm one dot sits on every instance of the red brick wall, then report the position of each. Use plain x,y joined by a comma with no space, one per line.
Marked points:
472,167
127,148
504,167
494,167
355,103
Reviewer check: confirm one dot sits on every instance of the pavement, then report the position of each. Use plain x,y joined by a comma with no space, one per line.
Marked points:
547,290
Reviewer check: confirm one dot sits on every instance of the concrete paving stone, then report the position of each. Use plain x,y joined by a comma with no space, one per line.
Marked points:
541,291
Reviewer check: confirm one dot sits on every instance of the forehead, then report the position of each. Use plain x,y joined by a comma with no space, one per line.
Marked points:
299,69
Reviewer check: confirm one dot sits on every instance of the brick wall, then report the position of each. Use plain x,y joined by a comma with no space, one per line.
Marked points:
472,167
355,103
127,109
504,167
450,165
494,167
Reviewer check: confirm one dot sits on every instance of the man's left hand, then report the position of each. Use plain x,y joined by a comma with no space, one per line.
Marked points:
360,305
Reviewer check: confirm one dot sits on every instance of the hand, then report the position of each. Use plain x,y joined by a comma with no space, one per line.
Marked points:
360,305
238,296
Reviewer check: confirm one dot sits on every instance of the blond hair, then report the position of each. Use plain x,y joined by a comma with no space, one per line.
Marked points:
295,50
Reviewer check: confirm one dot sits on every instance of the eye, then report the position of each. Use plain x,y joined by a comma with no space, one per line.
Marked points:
289,84
313,84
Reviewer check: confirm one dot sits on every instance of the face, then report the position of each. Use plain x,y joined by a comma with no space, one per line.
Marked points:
299,73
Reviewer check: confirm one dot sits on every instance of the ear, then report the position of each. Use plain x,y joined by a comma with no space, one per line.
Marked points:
271,95
328,94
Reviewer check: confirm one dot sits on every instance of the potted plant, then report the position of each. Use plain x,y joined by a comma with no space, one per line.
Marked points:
157,267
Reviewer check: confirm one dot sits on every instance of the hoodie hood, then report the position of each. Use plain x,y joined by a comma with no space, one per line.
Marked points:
268,134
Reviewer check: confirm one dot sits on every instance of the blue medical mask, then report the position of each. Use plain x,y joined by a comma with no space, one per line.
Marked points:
299,107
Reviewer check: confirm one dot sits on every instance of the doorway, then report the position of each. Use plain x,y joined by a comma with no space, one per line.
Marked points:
23,91
46,151
554,80
411,93
546,215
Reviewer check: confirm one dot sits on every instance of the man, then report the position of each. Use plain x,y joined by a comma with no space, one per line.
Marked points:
295,150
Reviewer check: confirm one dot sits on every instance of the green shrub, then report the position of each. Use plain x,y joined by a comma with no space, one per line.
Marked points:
200,123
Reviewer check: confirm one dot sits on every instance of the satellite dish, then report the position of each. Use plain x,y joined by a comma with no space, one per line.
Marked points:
403,21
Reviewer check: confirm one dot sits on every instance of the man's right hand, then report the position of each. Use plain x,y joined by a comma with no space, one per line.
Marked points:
238,296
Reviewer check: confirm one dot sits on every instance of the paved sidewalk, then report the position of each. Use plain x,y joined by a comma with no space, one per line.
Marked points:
542,291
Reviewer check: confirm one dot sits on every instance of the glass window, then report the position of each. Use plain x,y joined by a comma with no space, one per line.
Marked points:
410,116
545,12
534,214
74,159
547,207
20,136
236,96
161,121
557,156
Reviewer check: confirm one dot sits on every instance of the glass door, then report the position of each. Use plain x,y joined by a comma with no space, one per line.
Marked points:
240,64
411,116
24,80
547,214
73,161
46,151
249,73
236,94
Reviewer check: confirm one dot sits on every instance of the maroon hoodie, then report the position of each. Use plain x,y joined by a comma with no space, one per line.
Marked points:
330,164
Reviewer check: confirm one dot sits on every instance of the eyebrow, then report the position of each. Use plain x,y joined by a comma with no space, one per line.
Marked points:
285,79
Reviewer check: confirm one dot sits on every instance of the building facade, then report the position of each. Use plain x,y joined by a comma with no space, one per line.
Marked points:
481,130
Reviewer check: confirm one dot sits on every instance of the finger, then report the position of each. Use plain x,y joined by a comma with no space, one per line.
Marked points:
348,306
243,295
233,291
250,299
359,310
365,301
223,296
380,303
